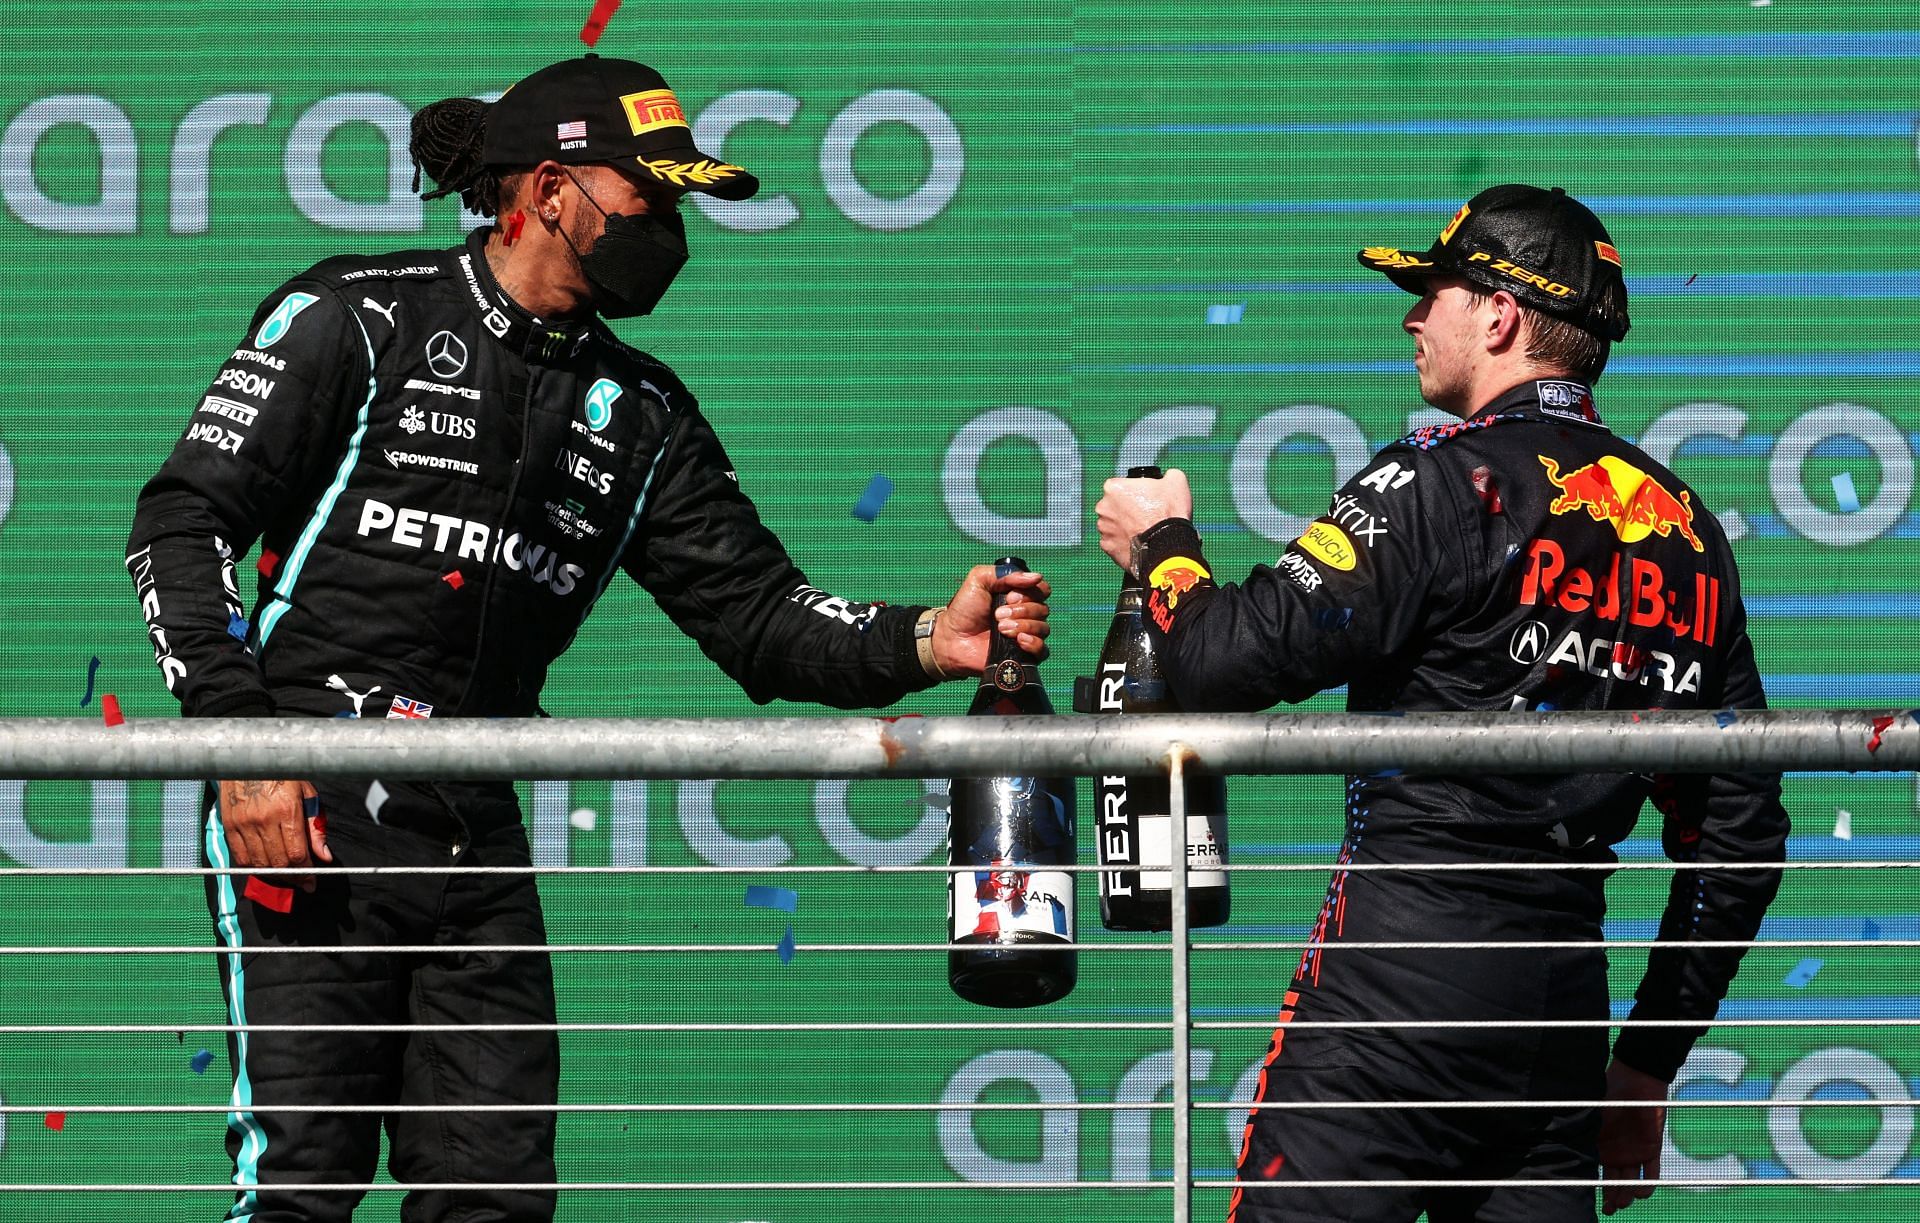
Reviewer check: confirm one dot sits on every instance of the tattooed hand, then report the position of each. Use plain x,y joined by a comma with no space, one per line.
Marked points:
268,826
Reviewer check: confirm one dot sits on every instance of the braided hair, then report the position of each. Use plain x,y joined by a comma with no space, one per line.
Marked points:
446,142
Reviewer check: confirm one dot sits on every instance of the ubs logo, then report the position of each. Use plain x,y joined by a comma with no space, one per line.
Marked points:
1529,642
446,354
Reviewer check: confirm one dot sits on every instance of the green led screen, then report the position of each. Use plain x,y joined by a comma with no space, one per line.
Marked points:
1002,251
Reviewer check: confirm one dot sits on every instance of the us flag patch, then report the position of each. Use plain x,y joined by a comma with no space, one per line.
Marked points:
577,130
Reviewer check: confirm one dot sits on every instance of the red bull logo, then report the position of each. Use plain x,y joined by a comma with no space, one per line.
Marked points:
1633,589
1614,490
1170,579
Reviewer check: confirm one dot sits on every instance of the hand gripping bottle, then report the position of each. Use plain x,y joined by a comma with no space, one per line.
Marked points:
1009,906
1132,824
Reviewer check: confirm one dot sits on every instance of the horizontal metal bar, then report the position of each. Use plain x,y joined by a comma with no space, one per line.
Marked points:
229,1188
458,749
737,1025
1818,1021
1032,1106
1142,945
1084,868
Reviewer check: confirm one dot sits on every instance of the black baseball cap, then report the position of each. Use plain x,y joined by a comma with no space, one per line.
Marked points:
616,111
1544,247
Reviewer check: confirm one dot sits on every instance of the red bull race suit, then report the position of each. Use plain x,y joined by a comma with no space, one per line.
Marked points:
1522,559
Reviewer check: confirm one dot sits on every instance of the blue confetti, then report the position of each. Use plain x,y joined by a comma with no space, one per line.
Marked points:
201,1061
346,713
874,499
786,946
1224,316
1332,619
1726,718
1388,773
1144,689
1844,494
236,627
1546,707
1869,929
1804,972
95,666
759,897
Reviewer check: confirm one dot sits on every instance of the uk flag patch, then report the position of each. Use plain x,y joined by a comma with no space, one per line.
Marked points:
404,708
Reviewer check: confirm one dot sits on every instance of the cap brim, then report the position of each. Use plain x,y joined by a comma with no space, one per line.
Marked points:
691,170
1409,271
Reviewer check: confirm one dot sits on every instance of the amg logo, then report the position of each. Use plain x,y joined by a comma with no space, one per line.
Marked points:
441,388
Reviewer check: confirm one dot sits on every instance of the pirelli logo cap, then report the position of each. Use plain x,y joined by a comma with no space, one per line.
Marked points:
1543,246
615,111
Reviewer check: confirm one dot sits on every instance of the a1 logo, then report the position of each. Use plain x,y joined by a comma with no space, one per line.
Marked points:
1390,476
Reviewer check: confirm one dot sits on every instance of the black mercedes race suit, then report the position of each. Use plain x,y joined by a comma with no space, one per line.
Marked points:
442,486
1522,559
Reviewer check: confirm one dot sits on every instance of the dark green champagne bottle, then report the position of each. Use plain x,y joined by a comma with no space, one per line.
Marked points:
1133,827
1010,907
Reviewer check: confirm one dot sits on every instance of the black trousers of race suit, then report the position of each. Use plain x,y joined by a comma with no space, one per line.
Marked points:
352,981
1286,1144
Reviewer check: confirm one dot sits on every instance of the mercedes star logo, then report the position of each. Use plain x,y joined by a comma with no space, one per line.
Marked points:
1529,642
446,355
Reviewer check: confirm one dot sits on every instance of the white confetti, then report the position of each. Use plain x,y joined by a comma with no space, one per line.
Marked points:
583,819
1843,824
376,799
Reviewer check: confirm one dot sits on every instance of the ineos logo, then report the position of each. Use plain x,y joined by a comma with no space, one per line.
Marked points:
446,355
1529,642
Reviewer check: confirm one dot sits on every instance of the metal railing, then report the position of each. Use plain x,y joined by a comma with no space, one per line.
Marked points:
915,747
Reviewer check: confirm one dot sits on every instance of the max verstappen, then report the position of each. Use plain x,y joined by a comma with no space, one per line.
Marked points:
446,456
1522,557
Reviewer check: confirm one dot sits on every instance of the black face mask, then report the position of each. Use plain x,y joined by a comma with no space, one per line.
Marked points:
633,260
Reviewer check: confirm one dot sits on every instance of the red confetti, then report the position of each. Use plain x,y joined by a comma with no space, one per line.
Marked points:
110,708
510,232
268,562
1879,728
453,579
274,897
56,1121
1488,491
603,11
1274,1165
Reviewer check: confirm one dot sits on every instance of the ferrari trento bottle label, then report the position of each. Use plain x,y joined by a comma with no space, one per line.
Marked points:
1001,899
1203,853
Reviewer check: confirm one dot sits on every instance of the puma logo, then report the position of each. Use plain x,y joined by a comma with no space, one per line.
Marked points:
340,685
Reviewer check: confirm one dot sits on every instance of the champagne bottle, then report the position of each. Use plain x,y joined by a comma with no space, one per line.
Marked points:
1009,907
1132,814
